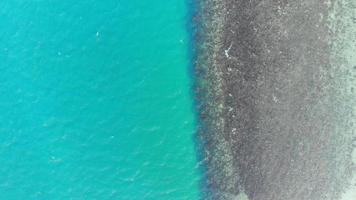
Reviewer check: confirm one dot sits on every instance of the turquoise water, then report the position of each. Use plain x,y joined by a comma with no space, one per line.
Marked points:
95,101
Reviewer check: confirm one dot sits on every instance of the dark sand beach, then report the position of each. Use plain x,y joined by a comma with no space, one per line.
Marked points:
276,84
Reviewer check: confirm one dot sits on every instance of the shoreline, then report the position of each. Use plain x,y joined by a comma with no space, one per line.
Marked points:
277,105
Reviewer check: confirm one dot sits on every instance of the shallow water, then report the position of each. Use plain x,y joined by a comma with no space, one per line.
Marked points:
95,101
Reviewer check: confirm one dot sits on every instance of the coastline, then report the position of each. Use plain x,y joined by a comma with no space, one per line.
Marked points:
277,97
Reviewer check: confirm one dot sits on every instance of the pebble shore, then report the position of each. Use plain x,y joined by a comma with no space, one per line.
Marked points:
275,82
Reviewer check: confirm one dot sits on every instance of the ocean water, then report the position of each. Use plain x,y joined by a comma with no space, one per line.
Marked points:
95,101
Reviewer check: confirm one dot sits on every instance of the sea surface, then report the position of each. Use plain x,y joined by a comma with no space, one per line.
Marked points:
95,101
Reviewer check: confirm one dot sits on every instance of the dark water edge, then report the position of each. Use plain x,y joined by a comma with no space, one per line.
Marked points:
202,81
193,28
274,93
212,152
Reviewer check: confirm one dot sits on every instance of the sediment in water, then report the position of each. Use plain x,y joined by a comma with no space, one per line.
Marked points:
276,84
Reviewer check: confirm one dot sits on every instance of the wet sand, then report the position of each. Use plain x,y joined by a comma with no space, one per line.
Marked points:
276,84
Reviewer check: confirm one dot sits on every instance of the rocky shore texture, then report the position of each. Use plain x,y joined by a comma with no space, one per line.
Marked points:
275,82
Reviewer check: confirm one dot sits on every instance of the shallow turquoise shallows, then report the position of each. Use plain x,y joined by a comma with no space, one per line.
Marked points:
95,101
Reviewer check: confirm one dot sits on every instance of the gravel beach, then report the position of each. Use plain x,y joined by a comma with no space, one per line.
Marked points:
275,82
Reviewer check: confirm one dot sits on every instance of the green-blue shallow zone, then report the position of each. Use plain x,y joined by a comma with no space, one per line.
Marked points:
95,101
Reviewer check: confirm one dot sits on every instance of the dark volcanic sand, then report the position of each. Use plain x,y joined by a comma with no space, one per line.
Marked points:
277,98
